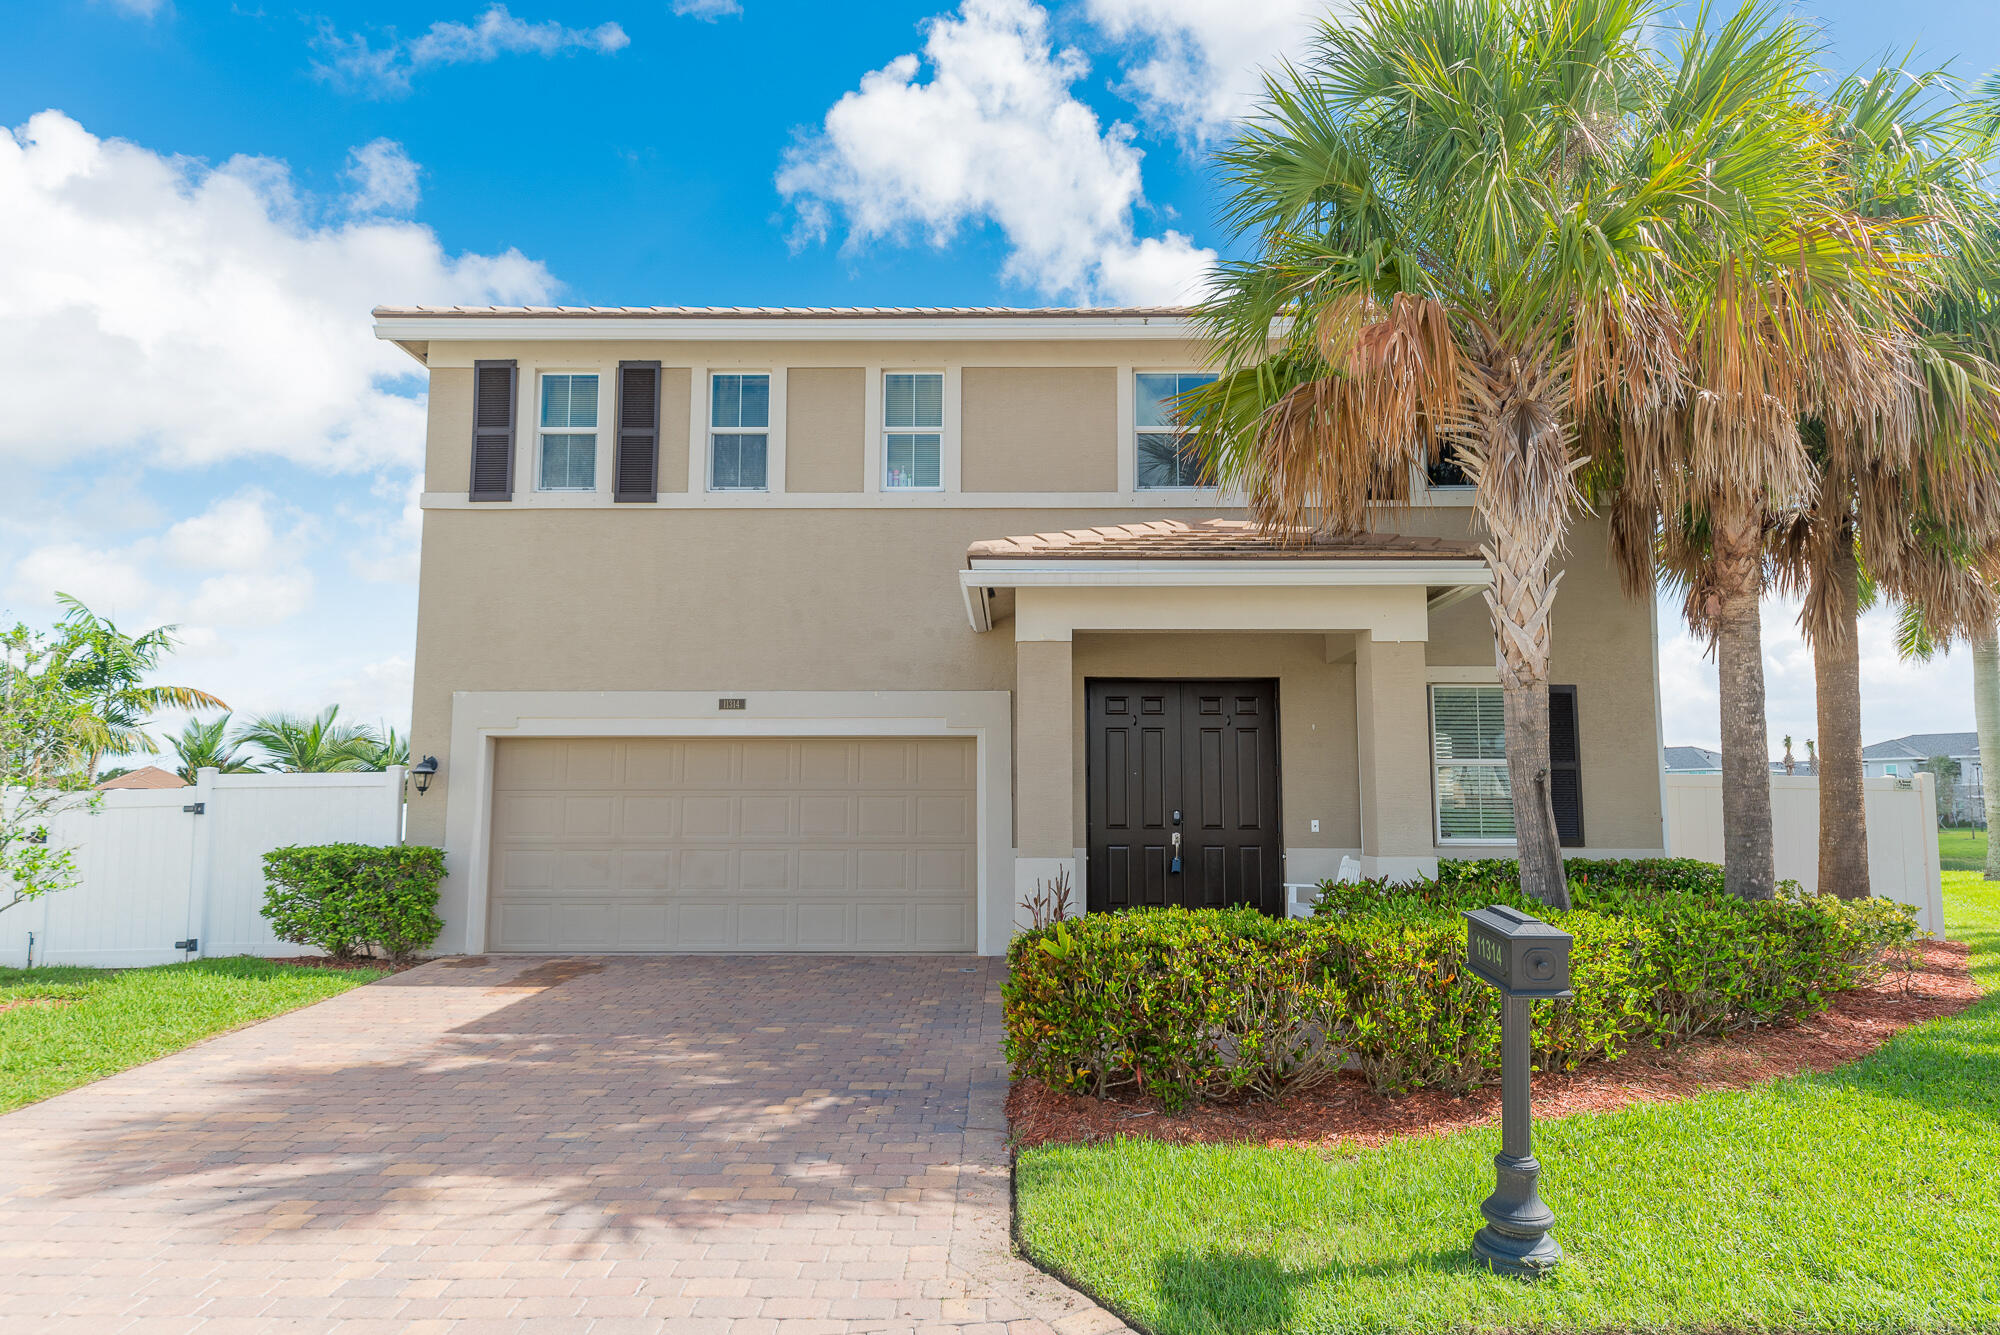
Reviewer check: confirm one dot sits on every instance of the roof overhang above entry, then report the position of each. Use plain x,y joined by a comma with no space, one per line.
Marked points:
1443,583
1076,578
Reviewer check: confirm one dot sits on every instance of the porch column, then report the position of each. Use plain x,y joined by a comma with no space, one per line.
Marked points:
1393,736
1044,770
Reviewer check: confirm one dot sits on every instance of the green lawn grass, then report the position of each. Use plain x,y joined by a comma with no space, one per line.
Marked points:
1864,1200
1962,850
104,1020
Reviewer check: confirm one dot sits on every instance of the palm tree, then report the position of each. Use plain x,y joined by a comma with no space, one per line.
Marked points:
392,749
1462,215
1915,519
320,744
1796,313
107,667
207,746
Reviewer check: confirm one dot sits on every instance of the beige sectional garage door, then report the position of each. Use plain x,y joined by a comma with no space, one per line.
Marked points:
764,844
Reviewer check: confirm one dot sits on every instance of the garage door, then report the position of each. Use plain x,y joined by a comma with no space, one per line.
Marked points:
765,844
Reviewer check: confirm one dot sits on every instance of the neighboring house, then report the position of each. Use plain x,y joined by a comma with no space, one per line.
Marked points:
1902,755
843,629
147,776
1692,760
1959,803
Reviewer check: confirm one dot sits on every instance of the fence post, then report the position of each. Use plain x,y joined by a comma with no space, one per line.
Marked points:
201,862
395,776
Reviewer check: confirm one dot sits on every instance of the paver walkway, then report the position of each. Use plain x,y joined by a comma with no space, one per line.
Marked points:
753,1144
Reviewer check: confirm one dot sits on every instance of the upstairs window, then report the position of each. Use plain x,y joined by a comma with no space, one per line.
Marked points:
739,430
568,433
1447,474
912,431
1165,445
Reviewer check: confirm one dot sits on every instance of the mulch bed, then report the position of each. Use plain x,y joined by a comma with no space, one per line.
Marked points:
1938,984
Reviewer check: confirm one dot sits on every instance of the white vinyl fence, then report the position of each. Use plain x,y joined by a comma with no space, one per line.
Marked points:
1902,834
157,874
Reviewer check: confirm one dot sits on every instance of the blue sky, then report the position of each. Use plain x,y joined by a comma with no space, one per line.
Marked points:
200,201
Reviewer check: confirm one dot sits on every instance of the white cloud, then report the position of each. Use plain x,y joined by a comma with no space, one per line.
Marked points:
241,571
385,179
1195,66
708,11
352,60
1897,697
189,315
994,135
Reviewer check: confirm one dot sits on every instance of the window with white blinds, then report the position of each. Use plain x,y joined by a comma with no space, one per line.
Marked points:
569,433
1469,755
739,427
912,431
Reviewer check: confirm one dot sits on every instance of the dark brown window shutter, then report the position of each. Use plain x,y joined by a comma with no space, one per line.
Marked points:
493,398
1565,766
638,477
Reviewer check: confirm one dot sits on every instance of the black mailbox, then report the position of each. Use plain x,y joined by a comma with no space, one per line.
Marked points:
1520,955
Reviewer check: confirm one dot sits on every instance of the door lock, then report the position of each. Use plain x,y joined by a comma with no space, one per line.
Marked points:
1177,848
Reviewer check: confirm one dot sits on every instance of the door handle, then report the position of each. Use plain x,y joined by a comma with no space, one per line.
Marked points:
1176,866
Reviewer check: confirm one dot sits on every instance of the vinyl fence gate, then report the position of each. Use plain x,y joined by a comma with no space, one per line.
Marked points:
178,873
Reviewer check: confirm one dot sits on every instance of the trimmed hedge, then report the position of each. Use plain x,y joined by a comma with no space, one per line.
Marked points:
1212,1004
355,899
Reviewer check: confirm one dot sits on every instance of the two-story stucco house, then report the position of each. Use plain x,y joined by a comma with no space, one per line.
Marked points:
749,630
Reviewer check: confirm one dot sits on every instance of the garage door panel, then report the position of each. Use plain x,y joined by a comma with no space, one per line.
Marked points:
715,844
708,764
825,927
708,817
591,764
643,817
759,815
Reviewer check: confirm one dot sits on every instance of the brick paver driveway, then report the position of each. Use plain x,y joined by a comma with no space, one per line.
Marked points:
686,1144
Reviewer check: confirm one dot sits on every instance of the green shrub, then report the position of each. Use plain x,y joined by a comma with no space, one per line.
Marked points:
1211,1004
353,899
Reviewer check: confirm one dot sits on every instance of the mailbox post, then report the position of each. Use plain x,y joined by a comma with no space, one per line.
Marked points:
1527,960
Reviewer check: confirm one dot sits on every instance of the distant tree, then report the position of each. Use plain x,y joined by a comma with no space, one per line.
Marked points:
208,746
320,744
1946,771
107,668
43,768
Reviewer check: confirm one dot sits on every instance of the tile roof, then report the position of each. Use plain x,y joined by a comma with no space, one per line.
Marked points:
1217,540
1924,745
147,776
788,312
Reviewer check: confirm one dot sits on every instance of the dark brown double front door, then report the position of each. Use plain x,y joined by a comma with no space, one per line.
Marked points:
1182,784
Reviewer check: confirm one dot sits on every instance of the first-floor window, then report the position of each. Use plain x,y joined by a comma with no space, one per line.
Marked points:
568,433
912,431
739,430
1165,447
1469,757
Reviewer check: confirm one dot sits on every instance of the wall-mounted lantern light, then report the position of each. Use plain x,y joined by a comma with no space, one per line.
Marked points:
422,772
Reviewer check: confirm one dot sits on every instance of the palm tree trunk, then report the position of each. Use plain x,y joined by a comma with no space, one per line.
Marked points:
1519,600
1843,816
1748,870
1986,714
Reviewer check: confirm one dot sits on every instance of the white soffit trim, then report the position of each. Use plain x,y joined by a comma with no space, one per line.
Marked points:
1453,579
671,329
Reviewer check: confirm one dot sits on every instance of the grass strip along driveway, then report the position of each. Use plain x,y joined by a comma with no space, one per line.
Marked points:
64,1027
1862,1200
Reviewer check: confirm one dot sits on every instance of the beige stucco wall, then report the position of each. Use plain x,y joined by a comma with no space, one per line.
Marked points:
676,385
448,431
741,598
1039,428
825,448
